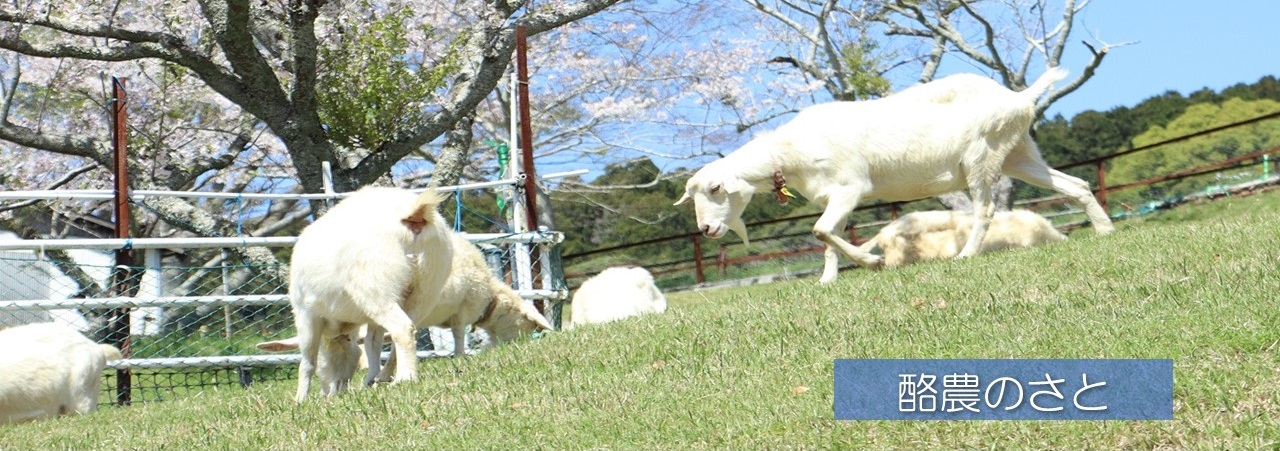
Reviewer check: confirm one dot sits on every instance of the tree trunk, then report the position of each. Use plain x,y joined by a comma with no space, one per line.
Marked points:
453,154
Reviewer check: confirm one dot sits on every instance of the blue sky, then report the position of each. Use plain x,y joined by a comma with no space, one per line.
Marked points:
1179,45
1183,45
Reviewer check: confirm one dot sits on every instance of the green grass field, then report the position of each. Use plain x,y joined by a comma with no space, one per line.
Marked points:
751,368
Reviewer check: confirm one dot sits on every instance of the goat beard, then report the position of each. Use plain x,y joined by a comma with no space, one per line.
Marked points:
740,228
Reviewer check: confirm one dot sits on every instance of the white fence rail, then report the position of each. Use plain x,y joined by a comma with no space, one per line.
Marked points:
182,314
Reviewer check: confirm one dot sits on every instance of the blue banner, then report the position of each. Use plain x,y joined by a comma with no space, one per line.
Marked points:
1009,389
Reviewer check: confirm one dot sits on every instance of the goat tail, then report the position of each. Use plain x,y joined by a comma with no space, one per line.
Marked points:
1042,84
110,352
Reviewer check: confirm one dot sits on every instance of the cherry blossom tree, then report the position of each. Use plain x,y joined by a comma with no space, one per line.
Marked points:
232,95
263,94
241,96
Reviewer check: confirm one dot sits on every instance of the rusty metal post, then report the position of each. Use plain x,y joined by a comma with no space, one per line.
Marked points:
697,259
1102,185
526,154
526,129
118,325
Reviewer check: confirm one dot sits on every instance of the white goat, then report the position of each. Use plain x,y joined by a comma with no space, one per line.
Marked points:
927,235
616,293
354,266
957,132
49,369
470,296
349,351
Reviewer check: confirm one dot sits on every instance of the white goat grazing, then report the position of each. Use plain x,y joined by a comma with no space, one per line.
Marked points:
354,266
616,293
470,296
927,235
49,369
348,350
957,132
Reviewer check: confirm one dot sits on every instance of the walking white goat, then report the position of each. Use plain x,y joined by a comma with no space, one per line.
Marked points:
958,132
49,369
354,266
928,235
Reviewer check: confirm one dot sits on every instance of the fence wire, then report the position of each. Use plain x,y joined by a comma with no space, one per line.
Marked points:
195,326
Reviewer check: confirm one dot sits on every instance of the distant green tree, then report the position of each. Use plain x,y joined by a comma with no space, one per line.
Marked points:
1267,87
1092,134
1197,151
593,217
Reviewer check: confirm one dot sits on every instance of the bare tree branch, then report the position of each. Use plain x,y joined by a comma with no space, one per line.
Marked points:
989,33
65,179
1089,70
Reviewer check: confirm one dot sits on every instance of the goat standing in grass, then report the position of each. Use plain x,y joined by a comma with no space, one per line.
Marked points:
354,266
471,296
958,132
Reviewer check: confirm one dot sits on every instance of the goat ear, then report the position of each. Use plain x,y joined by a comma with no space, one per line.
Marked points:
287,344
541,321
683,198
737,185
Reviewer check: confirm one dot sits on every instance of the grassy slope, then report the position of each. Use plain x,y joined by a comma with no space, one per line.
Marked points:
750,368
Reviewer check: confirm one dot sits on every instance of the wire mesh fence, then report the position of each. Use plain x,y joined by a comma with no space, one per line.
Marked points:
185,327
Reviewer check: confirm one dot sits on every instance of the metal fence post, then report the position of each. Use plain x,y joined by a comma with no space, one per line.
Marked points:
118,324
1102,185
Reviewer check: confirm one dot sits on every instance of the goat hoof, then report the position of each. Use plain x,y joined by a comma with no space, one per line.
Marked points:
876,263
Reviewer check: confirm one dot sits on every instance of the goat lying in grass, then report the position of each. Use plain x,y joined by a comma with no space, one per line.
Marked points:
353,266
470,296
958,132
928,235
616,293
49,369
